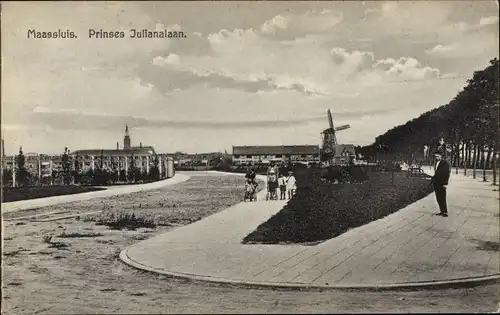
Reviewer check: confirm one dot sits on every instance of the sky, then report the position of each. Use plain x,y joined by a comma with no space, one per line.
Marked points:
247,73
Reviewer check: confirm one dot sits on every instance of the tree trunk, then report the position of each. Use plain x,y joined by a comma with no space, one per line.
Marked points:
474,161
483,163
488,157
457,154
480,159
494,166
465,156
452,157
469,155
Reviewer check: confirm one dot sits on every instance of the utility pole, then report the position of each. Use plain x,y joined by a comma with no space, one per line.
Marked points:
14,172
39,169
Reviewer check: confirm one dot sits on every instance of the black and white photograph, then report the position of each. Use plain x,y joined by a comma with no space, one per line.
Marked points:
244,157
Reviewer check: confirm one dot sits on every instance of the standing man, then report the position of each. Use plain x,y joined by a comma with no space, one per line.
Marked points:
440,181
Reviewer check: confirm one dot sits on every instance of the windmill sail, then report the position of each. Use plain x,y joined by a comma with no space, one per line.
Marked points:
343,127
330,119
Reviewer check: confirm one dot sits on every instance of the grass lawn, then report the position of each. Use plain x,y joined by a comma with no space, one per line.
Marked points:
184,203
24,193
320,211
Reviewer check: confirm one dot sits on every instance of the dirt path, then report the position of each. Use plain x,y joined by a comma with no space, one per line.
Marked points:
78,271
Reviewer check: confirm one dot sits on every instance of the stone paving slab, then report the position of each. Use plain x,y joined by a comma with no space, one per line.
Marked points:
409,246
110,191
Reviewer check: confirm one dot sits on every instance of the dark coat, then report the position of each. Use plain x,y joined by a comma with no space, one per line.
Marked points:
442,174
250,175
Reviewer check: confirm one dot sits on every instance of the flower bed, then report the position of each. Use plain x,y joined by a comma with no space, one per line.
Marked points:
323,210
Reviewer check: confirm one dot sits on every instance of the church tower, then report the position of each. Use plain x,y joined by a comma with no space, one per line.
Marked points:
126,140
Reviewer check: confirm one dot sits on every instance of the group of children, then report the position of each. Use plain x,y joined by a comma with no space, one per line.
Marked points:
285,184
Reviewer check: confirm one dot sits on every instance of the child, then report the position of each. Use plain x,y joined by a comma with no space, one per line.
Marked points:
272,183
291,185
282,183
254,192
249,190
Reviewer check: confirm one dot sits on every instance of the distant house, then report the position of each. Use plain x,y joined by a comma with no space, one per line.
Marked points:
254,155
36,164
344,153
197,159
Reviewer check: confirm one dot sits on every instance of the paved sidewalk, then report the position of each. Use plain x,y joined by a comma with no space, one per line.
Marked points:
111,191
409,246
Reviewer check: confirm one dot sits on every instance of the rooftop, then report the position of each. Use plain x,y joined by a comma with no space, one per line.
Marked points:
340,148
284,149
144,150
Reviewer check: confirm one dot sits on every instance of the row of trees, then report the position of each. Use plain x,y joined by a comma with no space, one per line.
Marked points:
71,172
467,129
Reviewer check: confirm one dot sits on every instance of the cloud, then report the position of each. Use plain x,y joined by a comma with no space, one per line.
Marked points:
488,20
444,22
443,49
277,22
313,21
406,68
371,10
171,59
391,18
473,46
352,61
477,39
311,67
450,75
166,78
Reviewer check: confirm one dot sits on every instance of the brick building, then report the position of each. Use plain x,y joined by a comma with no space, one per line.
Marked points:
255,155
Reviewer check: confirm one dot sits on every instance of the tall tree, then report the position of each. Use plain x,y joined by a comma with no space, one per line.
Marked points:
132,169
22,174
115,174
66,167
76,168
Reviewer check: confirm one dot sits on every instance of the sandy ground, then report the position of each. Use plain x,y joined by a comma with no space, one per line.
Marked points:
81,273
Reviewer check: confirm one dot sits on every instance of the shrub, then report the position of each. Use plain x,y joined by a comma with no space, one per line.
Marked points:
123,220
47,239
346,173
77,234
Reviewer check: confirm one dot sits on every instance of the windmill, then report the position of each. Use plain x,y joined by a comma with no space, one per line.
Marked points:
330,139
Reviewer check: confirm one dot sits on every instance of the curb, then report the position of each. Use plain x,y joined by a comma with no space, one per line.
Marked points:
408,286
